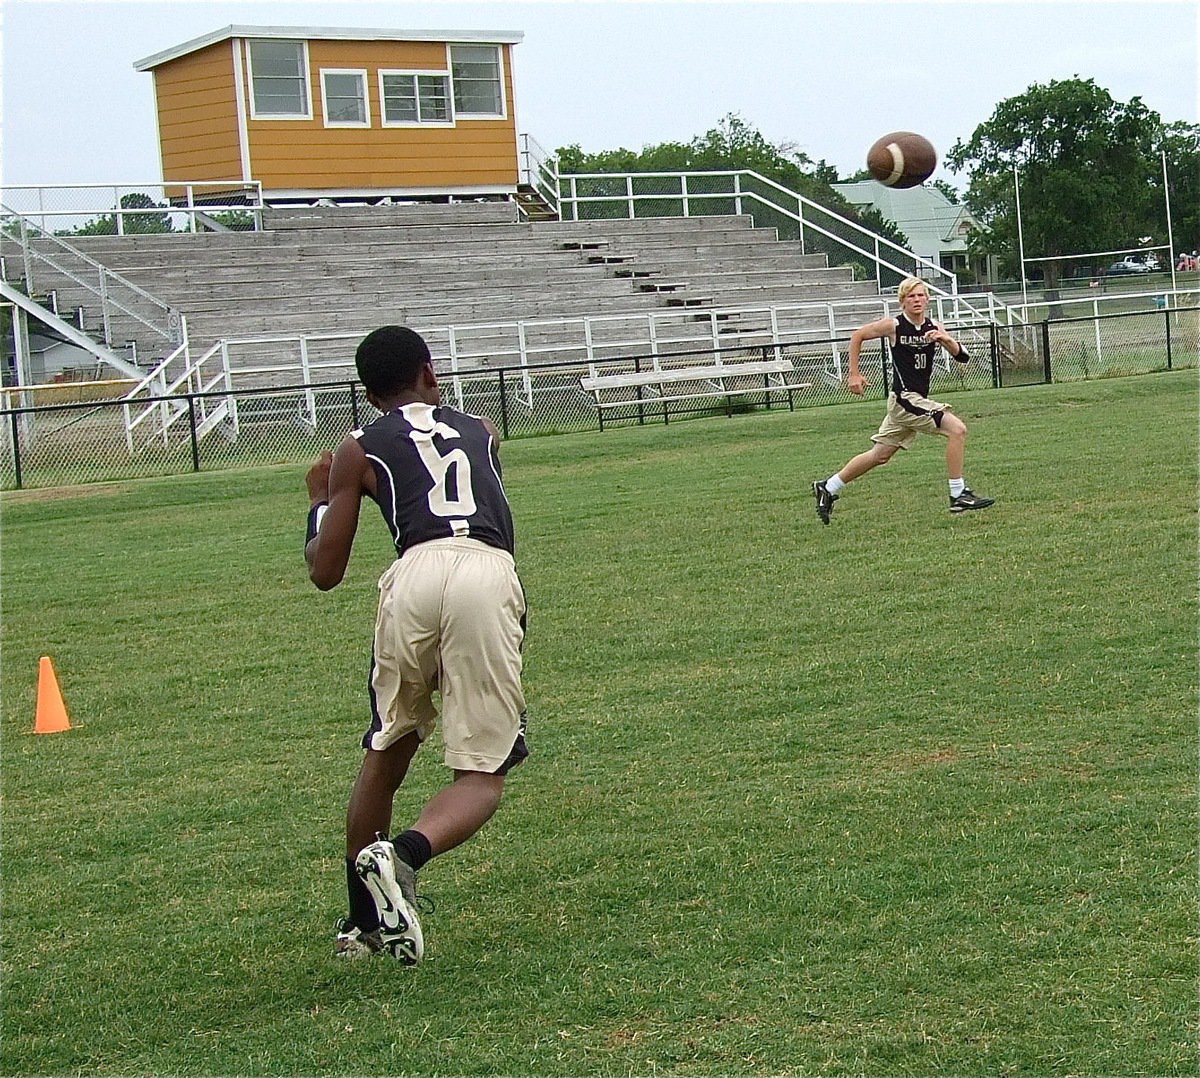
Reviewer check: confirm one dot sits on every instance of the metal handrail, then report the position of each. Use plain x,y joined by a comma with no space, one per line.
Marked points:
249,199
107,284
540,170
159,394
594,338
584,336
737,192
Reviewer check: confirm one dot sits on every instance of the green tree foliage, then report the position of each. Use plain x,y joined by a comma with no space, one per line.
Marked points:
952,195
1090,178
142,223
235,220
732,145
1181,144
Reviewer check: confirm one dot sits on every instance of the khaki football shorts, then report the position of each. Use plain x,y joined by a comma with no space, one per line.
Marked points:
907,416
451,620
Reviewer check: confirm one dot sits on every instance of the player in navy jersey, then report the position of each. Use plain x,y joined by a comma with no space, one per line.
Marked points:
451,620
914,340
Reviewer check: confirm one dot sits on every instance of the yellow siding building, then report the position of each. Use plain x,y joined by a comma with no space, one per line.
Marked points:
321,112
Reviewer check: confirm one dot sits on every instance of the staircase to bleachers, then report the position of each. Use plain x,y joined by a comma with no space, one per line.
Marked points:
478,267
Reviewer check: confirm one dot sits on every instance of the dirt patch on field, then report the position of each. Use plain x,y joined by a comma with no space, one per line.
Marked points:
55,494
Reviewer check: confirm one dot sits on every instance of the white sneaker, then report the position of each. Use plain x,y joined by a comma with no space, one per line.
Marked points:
392,884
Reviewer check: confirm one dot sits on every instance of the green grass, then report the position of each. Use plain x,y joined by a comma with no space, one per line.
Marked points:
911,794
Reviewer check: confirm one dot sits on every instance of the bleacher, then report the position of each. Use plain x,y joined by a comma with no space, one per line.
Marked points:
318,269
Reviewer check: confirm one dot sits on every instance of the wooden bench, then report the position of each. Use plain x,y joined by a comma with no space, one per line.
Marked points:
666,386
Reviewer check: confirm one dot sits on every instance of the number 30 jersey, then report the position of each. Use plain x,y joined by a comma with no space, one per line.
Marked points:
912,357
438,477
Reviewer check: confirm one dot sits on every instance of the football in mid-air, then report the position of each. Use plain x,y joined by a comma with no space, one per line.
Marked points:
902,159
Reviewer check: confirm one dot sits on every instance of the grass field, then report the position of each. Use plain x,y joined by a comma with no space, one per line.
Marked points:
914,794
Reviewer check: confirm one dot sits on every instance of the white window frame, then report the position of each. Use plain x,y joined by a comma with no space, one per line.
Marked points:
361,74
254,112
499,50
416,74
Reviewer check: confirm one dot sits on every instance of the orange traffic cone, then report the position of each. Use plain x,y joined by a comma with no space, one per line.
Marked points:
51,711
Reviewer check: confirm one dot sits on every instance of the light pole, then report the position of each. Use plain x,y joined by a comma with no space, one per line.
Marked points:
1170,233
1021,240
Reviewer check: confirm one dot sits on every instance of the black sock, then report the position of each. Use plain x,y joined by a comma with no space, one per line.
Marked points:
413,849
362,905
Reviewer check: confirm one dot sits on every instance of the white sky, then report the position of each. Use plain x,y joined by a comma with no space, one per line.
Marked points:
828,78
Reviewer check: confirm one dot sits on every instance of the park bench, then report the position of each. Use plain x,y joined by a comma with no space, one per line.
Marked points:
664,386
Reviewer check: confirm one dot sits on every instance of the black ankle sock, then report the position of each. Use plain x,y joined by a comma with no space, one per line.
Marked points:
413,849
362,905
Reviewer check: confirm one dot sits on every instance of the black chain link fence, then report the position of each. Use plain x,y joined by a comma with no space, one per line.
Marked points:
73,442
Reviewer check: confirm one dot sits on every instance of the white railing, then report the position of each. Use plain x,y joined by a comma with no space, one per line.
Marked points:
588,339
1092,306
539,170
468,348
41,251
697,192
136,208
148,404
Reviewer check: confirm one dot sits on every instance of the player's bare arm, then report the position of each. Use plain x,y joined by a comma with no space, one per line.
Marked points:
884,327
490,427
338,480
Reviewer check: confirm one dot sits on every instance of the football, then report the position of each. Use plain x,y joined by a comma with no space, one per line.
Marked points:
902,159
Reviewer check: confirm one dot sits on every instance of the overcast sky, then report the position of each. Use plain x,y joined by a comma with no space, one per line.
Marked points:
826,78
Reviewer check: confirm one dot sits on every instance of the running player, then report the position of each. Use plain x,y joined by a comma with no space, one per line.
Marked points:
914,339
450,619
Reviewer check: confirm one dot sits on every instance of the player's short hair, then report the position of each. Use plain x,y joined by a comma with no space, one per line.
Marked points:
907,285
390,359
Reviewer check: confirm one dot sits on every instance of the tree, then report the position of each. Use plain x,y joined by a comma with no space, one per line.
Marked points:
132,223
1181,144
1086,166
950,192
235,220
732,144
735,145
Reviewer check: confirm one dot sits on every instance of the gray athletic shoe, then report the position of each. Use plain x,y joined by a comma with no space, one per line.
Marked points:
393,886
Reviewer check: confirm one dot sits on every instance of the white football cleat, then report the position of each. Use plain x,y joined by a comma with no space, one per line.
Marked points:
393,886
352,942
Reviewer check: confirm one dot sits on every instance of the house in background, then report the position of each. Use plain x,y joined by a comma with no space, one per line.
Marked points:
340,113
936,228
50,357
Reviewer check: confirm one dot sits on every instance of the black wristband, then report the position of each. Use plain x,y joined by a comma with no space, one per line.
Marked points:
963,355
314,521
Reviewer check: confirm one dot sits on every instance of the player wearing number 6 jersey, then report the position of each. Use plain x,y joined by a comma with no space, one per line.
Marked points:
914,340
450,619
